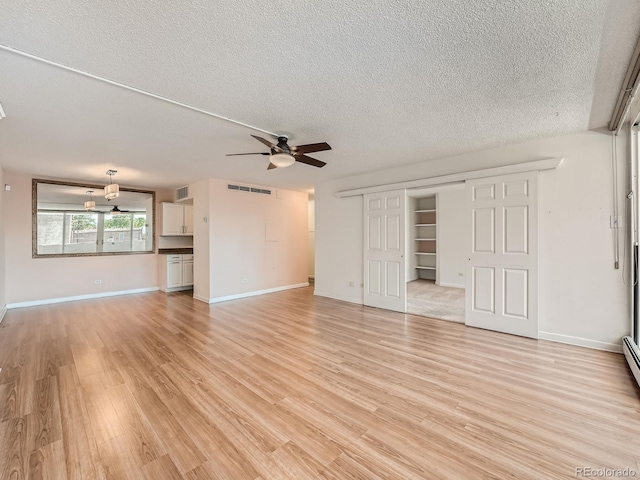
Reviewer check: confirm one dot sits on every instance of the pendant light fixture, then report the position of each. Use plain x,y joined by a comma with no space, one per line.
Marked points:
112,190
90,205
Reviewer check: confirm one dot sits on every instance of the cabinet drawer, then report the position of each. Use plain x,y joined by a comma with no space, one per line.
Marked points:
174,258
187,256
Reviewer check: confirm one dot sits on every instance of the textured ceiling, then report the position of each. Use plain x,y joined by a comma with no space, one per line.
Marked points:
385,83
622,28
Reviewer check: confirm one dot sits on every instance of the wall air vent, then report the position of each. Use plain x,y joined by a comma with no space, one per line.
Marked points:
182,193
245,188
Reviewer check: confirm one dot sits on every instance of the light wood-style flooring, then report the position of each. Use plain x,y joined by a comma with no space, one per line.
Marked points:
291,386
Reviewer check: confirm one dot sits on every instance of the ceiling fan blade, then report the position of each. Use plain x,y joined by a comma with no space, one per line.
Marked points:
272,146
309,160
271,166
255,153
263,140
311,147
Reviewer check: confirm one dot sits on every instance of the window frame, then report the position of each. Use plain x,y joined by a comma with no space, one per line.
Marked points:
34,223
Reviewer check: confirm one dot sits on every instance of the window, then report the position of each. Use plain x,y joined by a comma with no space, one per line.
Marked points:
71,232
80,232
50,232
63,227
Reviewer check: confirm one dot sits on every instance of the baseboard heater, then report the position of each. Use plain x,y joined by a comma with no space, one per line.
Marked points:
632,353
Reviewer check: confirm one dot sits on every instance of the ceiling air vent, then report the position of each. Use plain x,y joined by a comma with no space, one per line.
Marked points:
182,193
245,188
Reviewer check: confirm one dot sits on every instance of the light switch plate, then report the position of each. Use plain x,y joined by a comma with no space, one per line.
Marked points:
613,222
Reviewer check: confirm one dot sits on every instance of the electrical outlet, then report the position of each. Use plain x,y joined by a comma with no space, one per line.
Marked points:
245,280
352,284
98,282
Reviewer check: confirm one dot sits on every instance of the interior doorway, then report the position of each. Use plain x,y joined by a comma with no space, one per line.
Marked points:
311,239
435,245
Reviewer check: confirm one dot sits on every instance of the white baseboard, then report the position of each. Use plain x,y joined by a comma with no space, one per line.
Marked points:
338,297
450,285
2,313
257,292
89,296
581,342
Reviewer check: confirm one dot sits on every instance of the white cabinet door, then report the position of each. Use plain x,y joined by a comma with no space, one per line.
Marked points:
174,274
187,273
172,219
502,252
384,266
188,219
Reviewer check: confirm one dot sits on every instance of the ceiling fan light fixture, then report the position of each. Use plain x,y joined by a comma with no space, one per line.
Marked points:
282,160
112,190
281,155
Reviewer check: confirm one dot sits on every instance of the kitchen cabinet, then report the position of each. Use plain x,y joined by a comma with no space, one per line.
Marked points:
187,272
177,219
188,219
176,272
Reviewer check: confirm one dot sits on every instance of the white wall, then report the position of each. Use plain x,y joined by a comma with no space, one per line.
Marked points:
582,297
201,239
451,237
257,242
31,279
3,281
311,255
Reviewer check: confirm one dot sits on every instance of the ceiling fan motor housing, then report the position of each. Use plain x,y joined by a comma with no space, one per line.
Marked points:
282,144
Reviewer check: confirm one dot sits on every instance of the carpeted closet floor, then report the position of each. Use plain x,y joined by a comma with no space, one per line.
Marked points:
427,299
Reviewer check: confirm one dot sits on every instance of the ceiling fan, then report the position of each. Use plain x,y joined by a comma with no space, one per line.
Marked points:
114,211
282,155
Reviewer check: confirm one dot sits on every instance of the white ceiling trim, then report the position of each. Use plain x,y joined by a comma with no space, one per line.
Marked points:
132,89
537,165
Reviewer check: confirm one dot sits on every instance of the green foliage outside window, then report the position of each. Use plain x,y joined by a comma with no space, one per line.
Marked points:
83,222
117,222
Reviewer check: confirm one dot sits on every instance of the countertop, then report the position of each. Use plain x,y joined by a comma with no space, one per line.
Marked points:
174,251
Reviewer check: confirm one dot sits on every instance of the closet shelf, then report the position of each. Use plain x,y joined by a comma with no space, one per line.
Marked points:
425,226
